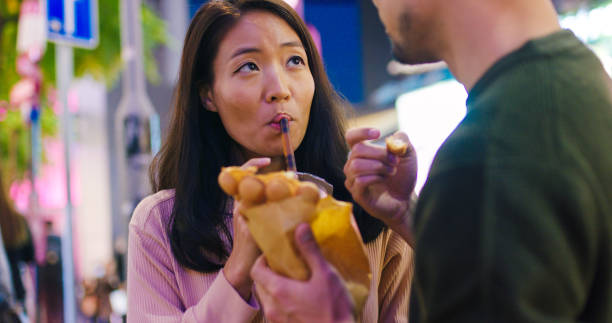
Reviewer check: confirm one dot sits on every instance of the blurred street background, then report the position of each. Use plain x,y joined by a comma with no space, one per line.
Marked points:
85,97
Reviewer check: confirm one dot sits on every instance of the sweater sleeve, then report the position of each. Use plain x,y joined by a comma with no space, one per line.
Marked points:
153,291
503,244
394,287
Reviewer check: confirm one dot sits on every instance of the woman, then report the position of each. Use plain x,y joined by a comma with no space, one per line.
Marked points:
245,65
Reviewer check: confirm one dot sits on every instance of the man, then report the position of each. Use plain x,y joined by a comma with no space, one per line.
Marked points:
514,223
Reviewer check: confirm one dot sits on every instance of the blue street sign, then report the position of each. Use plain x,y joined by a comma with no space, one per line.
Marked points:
73,22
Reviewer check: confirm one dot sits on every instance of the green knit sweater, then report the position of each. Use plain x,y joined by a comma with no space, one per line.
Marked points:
514,223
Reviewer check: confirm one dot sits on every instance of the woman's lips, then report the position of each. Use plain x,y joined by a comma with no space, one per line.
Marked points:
275,123
279,116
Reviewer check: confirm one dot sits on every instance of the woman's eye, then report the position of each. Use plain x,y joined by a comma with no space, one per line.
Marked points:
248,67
296,60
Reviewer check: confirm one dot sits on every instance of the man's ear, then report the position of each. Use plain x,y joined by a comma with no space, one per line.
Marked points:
206,98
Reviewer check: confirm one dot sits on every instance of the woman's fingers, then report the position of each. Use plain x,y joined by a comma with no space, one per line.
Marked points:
257,162
240,223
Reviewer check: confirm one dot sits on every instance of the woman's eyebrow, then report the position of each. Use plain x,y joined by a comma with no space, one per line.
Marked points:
292,44
245,50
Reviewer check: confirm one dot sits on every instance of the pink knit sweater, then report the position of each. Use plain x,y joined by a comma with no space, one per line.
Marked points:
161,290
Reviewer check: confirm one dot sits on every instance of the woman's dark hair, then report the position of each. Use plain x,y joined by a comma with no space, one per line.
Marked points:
198,145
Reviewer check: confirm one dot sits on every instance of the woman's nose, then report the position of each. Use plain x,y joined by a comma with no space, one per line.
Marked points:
277,89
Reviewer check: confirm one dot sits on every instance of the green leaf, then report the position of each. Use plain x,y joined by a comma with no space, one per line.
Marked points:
103,63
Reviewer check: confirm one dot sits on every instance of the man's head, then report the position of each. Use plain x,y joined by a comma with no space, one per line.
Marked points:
413,27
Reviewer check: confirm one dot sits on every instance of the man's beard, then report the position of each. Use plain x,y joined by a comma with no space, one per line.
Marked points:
411,48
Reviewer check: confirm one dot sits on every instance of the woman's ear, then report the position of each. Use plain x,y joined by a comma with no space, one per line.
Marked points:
206,98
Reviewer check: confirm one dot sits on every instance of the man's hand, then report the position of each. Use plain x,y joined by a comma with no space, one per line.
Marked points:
322,298
381,182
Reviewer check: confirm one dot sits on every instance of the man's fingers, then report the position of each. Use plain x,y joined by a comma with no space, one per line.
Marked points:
361,167
365,169
368,150
357,184
356,135
404,137
271,281
275,291
359,189
262,274
271,307
308,247
348,183
367,180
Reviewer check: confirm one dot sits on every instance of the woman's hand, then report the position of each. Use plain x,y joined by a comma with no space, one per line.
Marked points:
244,250
381,182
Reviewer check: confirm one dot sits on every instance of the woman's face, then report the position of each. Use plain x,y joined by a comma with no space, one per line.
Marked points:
261,74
